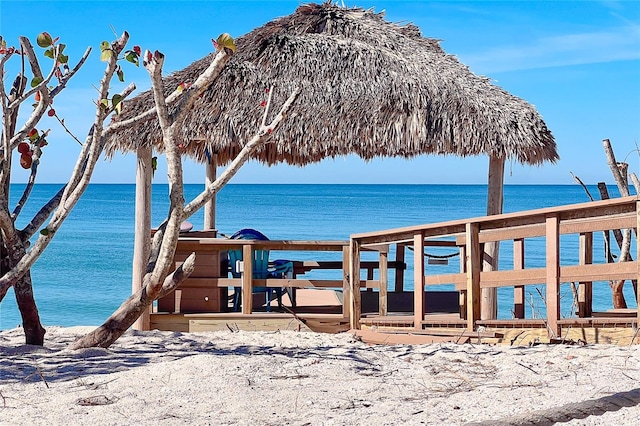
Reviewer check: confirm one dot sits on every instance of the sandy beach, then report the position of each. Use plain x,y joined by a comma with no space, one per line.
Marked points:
304,378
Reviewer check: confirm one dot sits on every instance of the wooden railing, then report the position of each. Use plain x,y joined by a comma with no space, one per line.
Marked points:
215,276
470,235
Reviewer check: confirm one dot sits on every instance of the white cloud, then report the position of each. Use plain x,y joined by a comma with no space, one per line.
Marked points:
616,44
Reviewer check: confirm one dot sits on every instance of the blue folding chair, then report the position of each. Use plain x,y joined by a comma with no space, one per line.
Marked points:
261,268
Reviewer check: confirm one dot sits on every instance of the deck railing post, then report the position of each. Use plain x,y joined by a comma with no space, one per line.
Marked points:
418,280
247,278
399,283
462,298
518,291
383,260
553,274
354,279
474,264
346,285
585,288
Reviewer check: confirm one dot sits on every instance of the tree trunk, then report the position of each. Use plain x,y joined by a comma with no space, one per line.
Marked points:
33,330
23,289
133,307
618,296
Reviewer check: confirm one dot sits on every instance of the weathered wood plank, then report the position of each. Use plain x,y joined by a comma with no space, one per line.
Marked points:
247,324
378,338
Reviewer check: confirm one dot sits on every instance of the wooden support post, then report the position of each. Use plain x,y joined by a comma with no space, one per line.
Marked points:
346,285
463,293
418,280
585,288
384,280
354,279
518,291
489,300
210,206
247,278
142,235
474,263
399,282
553,275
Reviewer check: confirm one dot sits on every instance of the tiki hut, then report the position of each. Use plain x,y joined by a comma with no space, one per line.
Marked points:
368,87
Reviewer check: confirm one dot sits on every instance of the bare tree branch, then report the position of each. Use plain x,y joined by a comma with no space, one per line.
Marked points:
260,137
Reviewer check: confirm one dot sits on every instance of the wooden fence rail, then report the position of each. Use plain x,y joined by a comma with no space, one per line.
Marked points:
470,235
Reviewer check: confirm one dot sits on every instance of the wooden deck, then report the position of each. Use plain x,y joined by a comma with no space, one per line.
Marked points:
366,298
229,321
469,236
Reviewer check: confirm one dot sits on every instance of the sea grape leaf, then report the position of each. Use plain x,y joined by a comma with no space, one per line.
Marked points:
44,40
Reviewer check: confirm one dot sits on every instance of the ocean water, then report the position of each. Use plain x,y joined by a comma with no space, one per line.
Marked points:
85,273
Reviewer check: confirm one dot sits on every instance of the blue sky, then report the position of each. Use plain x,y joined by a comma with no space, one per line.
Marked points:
577,62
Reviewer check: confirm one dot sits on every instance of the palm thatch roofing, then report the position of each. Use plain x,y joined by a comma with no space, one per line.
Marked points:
368,87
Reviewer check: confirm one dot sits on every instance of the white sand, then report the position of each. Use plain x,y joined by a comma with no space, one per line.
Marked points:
292,378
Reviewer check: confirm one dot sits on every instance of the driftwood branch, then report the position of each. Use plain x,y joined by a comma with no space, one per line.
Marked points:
577,179
259,138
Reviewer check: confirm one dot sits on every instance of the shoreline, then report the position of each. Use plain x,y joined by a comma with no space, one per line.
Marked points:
296,378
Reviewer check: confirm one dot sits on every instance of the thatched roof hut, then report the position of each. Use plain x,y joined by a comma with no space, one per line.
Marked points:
369,87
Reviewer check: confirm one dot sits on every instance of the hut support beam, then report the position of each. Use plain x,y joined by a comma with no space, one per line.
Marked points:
210,206
142,239
489,296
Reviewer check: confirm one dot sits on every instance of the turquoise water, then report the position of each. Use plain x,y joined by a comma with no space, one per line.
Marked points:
85,273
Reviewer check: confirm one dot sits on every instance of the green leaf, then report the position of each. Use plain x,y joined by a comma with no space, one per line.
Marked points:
132,57
106,55
116,102
154,165
225,41
63,59
104,103
44,232
35,81
120,74
49,53
44,40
